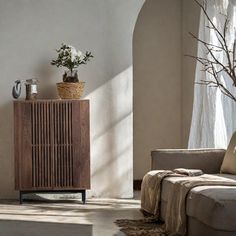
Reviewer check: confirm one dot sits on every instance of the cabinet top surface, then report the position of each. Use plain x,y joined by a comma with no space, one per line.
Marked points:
50,100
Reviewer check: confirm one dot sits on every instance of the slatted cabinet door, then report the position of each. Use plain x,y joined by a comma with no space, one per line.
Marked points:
52,145
41,141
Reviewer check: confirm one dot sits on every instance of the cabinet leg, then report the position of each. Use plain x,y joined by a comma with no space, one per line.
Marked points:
83,196
21,197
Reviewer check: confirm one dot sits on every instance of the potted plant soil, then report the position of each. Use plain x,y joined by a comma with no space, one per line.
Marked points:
70,58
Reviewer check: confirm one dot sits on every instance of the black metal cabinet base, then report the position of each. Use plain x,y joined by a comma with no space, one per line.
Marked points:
83,192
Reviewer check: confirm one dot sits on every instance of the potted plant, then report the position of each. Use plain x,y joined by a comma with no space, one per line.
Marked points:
70,58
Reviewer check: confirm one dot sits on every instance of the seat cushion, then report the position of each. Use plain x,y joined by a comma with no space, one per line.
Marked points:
229,162
214,206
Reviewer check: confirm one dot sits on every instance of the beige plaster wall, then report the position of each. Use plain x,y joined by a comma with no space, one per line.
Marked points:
190,21
157,52
163,77
30,30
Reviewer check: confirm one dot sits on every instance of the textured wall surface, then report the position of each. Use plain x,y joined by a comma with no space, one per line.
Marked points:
30,30
163,77
190,20
157,51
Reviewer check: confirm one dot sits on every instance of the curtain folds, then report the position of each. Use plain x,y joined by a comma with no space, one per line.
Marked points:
214,114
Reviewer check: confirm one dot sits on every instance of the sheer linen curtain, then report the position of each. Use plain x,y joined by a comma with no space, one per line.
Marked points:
214,114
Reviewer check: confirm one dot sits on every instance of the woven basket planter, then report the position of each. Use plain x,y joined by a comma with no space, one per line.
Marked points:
70,90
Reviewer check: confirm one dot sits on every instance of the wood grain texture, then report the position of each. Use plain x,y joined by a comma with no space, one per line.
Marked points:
82,144
17,134
23,163
52,144
84,151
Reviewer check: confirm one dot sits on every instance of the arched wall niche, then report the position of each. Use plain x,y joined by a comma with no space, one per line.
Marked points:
163,77
157,52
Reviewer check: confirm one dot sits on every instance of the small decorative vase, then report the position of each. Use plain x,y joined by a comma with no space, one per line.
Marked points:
31,87
70,76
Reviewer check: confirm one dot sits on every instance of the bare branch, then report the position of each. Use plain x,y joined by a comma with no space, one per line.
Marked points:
209,44
208,18
211,63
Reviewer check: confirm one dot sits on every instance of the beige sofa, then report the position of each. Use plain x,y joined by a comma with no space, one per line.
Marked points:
211,210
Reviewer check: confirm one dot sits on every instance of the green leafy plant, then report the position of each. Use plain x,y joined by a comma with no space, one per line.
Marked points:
71,59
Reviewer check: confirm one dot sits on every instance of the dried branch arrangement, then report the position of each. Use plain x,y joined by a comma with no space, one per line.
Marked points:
211,63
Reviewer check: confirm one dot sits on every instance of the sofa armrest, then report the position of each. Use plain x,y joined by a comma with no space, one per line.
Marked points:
208,160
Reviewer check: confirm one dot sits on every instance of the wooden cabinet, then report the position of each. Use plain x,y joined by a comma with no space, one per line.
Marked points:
52,146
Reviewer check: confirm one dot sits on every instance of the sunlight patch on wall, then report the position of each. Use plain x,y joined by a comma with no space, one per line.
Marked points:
112,137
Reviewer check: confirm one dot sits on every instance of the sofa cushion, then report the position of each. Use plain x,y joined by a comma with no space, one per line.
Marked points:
229,162
207,160
216,205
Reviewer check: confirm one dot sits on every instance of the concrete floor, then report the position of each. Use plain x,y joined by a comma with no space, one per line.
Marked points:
68,218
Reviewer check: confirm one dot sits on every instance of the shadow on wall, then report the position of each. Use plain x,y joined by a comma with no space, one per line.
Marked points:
47,86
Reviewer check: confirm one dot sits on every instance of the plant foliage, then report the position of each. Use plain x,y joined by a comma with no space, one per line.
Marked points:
71,59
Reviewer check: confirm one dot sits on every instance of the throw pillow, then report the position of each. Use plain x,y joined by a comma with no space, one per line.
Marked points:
229,163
